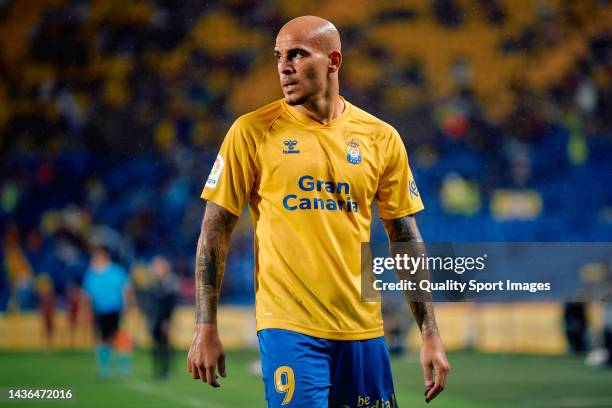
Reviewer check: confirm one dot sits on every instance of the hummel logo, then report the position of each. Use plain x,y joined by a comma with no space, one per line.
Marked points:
290,145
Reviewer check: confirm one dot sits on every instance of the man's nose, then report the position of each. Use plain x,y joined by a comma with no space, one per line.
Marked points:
285,68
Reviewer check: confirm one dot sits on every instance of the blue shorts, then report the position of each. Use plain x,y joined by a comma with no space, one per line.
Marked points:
304,371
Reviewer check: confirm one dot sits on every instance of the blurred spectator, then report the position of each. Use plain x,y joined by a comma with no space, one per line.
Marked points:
494,10
447,12
4,287
20,273
607,332
459,196
576,326
607,323
46,305
74,310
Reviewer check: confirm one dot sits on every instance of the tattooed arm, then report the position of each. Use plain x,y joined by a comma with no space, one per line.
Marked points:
404,236
206,353
217,226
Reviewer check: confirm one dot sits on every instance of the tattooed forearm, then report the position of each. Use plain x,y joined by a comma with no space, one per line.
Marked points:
424,315
403,230
208,282
404,236
211,254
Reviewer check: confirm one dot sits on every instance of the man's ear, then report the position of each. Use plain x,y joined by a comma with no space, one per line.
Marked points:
335,60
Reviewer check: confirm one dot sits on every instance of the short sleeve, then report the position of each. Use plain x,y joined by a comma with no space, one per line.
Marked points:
231,177
397,194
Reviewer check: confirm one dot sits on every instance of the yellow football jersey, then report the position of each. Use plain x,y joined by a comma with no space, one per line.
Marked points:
310,189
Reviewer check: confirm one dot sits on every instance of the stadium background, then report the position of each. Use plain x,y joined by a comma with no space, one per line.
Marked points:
111,114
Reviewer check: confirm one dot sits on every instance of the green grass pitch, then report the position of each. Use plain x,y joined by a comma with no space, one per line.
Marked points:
477,381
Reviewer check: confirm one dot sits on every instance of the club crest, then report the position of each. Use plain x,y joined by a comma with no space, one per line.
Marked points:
352,151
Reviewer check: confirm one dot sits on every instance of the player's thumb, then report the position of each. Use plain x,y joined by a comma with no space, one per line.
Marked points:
428,375
222,366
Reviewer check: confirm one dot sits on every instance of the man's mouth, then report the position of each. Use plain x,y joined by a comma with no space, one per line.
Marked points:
289,84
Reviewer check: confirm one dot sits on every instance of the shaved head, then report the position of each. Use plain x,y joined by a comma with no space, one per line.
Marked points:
315,30
308,54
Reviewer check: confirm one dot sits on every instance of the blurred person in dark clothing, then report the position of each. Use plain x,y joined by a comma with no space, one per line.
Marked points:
576,326
607,332
46,305
607,317
163,298
4,287
73,308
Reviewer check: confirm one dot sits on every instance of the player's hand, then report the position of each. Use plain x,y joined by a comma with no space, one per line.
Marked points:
206,355
435,366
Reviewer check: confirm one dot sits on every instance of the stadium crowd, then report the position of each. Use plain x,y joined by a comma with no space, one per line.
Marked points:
111,115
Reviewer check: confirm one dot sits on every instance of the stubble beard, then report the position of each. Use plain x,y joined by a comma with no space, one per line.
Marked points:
295,100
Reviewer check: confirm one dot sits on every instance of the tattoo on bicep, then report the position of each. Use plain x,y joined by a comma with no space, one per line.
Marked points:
212,249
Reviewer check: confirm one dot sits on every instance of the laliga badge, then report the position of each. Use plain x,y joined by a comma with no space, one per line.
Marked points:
215,173
352,152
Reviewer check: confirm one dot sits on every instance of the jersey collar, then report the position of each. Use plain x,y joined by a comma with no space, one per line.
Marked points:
305,120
